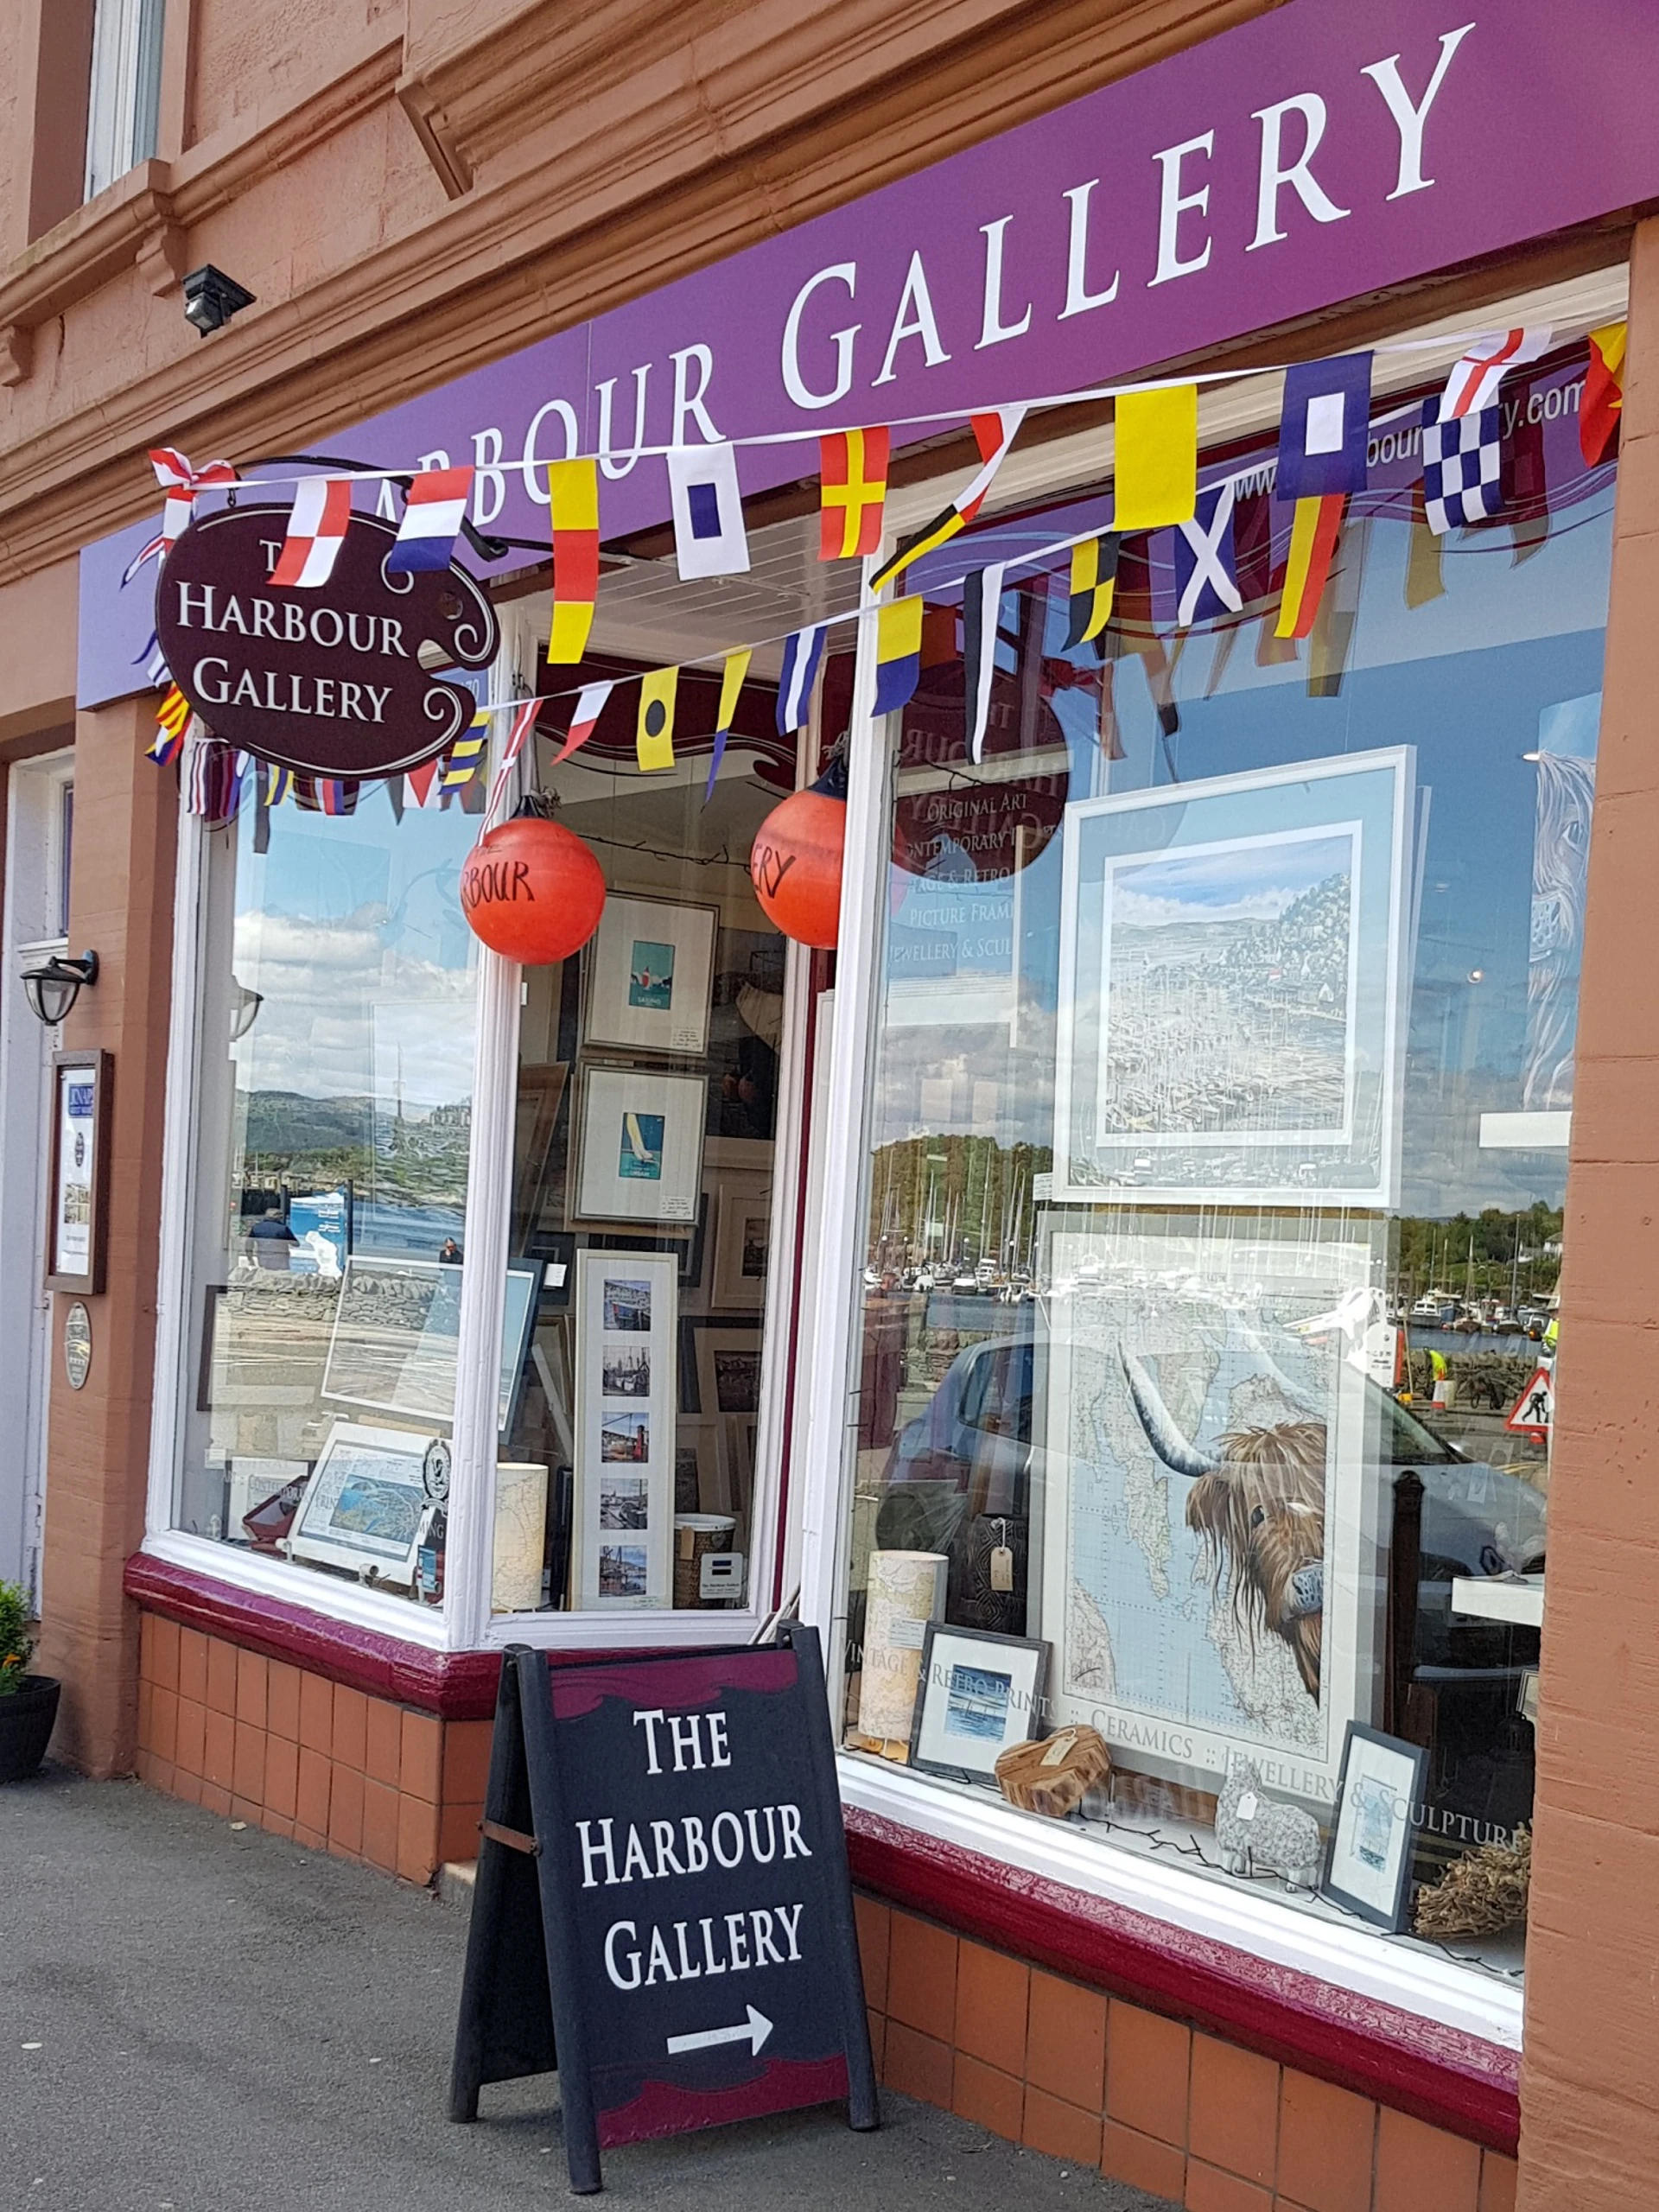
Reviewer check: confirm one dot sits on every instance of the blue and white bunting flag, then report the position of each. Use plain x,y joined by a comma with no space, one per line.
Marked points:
710,539
1206,572
982,603
1462,467
803,650
1323,427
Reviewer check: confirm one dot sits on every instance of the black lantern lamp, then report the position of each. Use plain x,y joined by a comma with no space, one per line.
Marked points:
211,298
52,989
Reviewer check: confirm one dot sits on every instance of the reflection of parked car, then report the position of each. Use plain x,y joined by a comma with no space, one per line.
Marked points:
971,1454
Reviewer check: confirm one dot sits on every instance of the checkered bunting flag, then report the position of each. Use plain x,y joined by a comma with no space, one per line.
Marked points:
1461,467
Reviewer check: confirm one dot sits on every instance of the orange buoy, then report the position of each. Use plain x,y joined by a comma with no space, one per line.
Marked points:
795,861
530,890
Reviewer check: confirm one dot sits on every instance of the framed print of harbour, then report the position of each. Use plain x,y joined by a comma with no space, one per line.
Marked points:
1230,961
627,1329
1207,1536
650,976
639,1147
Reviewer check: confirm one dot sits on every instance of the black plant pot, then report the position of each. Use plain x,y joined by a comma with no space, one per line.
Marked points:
26,1719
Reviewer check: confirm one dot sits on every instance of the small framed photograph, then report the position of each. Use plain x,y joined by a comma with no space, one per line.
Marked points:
626,1448
79,1180
743,1243
640,1147
728,1368
979,1692
1368,1864
362,1509
650,976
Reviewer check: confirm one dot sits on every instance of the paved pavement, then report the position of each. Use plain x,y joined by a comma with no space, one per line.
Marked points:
195,2019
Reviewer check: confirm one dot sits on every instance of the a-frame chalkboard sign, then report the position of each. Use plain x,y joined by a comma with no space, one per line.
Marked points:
664,1912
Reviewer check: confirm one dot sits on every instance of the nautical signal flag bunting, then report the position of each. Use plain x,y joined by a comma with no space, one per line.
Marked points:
852,493
433,514
1157,457
731,687
710,539
1323,427
803,651
993,432
1603,391
1094,582
898,654
573,517
654,736
316,531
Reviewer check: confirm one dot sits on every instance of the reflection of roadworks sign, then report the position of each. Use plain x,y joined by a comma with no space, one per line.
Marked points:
1534,1409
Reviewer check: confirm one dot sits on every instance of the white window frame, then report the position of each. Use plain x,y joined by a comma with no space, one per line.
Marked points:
464,1622
124,95
1364,1962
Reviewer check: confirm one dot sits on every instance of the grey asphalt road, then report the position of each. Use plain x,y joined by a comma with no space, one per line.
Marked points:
195,2019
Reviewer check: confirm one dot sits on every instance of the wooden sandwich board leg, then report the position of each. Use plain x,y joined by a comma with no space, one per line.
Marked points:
863,2111
506,2027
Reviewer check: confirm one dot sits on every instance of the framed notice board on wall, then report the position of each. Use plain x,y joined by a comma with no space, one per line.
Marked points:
78,1185
664,1912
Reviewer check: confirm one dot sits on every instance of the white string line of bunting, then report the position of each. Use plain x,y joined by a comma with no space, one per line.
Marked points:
528,465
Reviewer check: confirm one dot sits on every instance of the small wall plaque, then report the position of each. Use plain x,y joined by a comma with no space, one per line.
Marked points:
77,1344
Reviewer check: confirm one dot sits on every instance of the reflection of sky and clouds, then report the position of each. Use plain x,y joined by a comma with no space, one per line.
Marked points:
1503,660
359,949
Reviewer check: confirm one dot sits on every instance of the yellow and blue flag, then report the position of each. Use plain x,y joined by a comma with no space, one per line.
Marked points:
898,654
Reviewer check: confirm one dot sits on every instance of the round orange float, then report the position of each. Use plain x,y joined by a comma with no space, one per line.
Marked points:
530,890
795,861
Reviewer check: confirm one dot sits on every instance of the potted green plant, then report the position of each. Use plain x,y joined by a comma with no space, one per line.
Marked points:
28,1703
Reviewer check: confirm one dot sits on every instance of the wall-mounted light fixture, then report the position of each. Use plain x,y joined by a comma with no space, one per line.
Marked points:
211,298
52,989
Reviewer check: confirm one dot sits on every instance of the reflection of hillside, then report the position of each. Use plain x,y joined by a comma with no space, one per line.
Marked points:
404,1158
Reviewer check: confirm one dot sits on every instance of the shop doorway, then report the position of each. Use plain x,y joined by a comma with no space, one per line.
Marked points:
39,820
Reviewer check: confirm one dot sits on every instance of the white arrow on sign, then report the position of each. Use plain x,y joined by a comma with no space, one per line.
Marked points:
753,2031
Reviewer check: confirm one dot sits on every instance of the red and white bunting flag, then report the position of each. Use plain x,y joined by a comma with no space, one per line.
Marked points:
1473,382
589,707
316,531
182,481
523,720
422,783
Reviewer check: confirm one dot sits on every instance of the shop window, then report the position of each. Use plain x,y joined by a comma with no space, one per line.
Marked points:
1222,1080
123,100
652,1097
332,1106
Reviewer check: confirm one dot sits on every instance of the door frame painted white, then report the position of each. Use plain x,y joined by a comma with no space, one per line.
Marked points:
32,928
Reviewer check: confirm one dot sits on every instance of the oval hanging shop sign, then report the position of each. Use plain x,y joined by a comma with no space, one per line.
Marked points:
335,681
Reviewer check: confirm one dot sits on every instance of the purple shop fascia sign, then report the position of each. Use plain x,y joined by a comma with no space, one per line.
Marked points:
1324,151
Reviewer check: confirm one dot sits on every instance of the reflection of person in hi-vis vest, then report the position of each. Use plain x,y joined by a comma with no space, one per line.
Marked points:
1437,1368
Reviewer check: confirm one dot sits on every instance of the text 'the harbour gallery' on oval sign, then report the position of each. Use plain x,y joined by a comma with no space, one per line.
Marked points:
339,680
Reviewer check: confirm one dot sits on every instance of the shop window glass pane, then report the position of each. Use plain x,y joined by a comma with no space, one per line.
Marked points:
1216,1167
652,1396
333,1114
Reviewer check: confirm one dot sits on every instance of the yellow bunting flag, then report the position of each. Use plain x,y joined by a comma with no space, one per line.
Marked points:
731,686
654,738
1157,457
573,513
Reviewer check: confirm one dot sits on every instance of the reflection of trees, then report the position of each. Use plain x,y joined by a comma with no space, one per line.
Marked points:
954,1200
1485,1252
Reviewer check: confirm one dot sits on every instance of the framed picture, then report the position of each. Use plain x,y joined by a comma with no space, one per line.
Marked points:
1232,957
737,1434
1368,1861
79,1180
978,1693
639,1147
728,1368
697,1471
362,1509
1205,1540
743,1243
649,976
556,1249
625,1429
393,1346
687,1249
541,1091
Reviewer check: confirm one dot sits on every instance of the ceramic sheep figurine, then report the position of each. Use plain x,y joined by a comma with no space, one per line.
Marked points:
1257,1833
